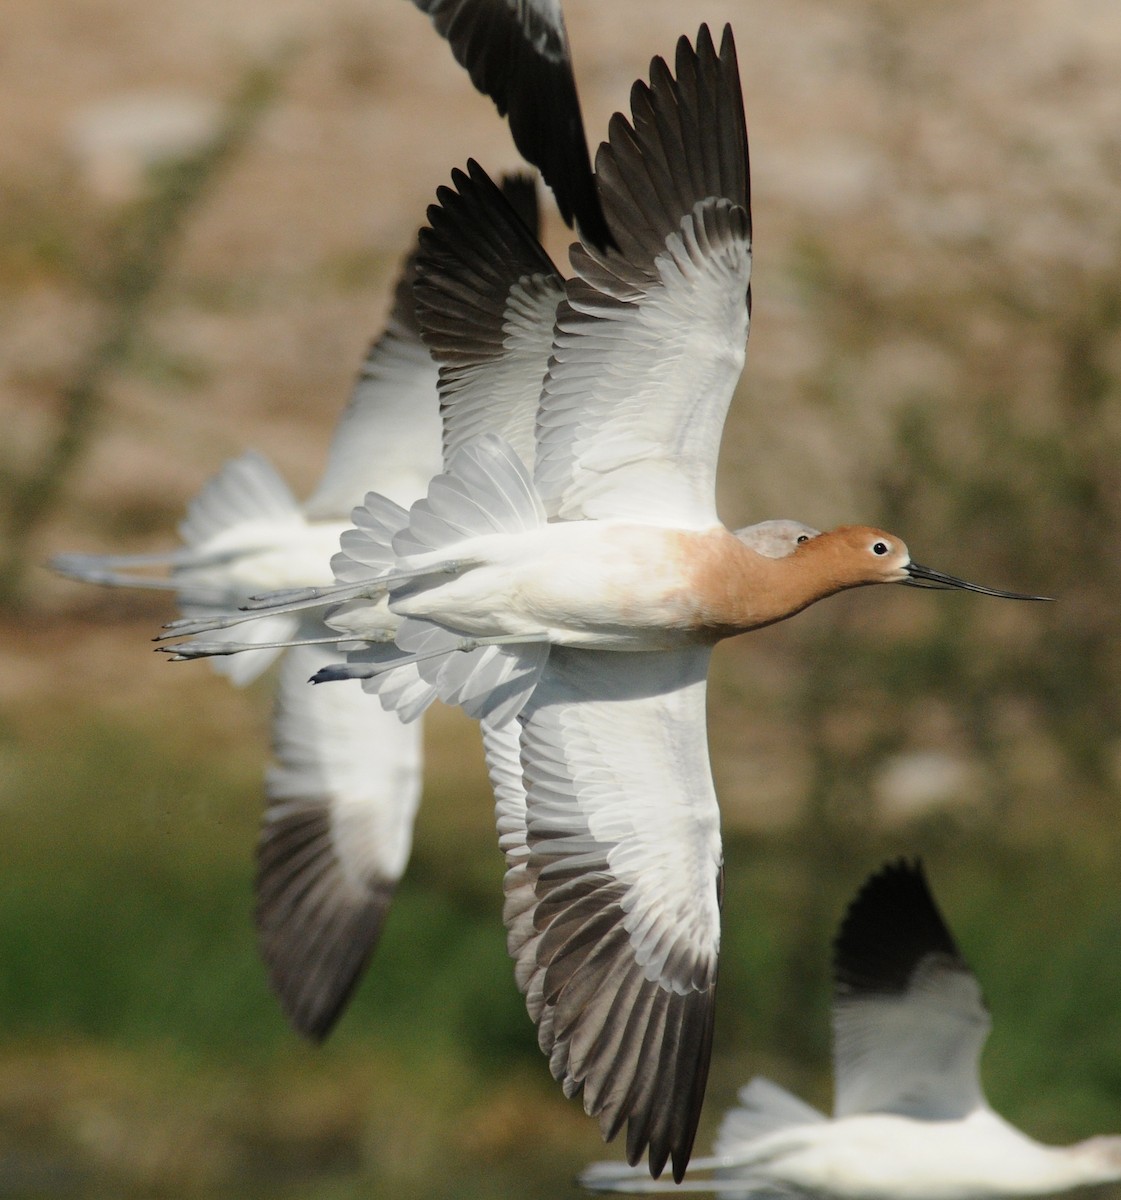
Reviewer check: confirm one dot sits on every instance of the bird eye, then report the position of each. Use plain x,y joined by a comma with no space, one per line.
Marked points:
880,548
801,538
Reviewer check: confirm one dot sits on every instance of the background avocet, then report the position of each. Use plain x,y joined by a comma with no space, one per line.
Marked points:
910,1118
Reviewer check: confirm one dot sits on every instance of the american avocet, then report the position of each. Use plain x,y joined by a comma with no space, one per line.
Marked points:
910,1118
518,593
516,52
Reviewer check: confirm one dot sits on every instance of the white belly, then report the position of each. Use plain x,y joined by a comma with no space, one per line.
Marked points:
583,583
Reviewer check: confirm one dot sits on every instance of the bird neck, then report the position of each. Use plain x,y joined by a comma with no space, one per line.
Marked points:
740,589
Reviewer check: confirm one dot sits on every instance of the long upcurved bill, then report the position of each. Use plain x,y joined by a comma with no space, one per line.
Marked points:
920,576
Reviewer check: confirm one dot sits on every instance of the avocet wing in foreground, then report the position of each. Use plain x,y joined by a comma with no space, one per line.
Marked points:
622,884
910,1118
516,52
508,584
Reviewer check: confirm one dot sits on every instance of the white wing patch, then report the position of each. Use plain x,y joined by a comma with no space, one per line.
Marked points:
916,1054
389,436
638,388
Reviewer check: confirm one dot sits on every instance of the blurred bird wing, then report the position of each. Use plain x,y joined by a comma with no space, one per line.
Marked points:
909,1020
335,838
487,295
650,342
516,52
388,438
619,878
762,1108
244,505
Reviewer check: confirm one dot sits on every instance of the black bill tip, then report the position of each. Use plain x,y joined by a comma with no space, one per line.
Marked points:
925,577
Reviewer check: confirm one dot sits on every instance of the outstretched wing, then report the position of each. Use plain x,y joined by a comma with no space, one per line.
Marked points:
516,52
650,341
909,1021
388,438
613,901
486,296
335,838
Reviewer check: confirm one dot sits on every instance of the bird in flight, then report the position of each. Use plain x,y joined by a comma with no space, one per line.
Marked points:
910,1120
566,577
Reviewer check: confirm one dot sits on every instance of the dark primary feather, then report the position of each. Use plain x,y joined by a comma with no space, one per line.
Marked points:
486,295
890,927
316,929
637,1048
520,192
479,241
686,142
516,52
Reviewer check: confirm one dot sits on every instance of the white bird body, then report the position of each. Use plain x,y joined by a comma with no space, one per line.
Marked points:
883,1156
611,585
615,584
263,555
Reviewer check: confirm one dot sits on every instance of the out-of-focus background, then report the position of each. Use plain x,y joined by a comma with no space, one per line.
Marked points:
201,210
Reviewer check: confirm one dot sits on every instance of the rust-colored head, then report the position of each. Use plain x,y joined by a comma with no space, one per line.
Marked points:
854,555
783,567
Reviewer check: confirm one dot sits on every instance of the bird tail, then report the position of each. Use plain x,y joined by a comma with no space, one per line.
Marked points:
246,495
486,490
763,1108
247,491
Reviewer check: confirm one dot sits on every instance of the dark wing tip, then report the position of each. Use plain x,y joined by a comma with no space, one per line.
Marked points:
685,142
316,930
479,241
638,1048
889,928
518,55
402,315
520,190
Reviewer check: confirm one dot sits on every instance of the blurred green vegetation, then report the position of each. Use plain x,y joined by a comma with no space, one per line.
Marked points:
143,1054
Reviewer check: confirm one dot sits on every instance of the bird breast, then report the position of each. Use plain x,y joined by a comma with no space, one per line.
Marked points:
612,585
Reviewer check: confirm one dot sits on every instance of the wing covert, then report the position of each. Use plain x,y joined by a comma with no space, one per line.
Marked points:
388,437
